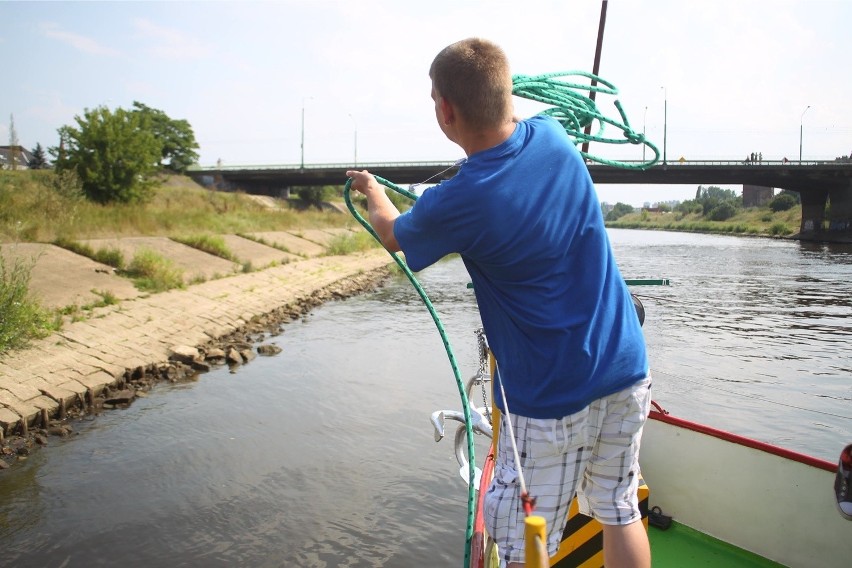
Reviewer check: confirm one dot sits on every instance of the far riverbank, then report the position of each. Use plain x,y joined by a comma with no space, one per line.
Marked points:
746,222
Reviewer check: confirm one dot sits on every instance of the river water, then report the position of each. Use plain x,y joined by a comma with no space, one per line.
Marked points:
324,455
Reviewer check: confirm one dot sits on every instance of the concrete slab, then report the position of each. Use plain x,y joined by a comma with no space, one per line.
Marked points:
97,352
322,237
61,278
267,201
291,243
259,255
196,264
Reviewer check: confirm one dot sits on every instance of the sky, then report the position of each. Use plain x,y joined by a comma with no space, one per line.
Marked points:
722,78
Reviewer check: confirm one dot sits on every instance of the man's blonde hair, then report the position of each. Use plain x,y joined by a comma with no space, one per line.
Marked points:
473,74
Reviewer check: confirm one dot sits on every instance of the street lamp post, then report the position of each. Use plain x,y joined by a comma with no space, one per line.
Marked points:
355,157
801,120
644,122
302,163
665,120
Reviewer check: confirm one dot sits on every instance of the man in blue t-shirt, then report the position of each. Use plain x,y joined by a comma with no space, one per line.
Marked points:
524,216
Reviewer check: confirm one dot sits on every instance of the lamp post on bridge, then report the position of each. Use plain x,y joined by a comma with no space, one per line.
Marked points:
644,122
302,162
665,119
801,120
355,156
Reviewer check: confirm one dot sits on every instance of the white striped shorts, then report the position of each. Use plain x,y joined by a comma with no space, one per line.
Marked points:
593,453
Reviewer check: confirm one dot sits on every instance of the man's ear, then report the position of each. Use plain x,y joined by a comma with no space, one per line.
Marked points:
447,111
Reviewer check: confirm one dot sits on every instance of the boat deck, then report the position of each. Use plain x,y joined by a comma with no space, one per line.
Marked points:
681,546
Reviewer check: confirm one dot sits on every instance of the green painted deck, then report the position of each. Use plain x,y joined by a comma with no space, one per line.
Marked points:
683,547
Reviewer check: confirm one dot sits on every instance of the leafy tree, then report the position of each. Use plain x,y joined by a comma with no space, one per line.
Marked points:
111,152
794,194
714,192
619,210
722,211
783,202
689,206
712,197
39,161
177,138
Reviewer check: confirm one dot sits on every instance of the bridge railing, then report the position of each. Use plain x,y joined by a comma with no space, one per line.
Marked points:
447,163
701,162
307,167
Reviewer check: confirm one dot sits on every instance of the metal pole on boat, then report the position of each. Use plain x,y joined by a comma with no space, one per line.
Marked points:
596,65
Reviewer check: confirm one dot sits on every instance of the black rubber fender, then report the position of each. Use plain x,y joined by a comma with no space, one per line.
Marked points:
640,309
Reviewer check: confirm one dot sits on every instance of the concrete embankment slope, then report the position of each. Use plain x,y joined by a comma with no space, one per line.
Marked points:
86,356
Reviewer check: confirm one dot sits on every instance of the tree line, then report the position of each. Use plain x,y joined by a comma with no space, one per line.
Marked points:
712,203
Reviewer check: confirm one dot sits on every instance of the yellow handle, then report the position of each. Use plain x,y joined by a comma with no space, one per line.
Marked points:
535,537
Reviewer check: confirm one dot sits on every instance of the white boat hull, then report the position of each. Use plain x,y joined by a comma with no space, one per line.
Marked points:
761,498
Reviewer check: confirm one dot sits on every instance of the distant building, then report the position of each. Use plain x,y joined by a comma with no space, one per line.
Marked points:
21,156
757,195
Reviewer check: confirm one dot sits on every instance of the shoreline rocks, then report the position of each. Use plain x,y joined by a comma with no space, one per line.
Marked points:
181,362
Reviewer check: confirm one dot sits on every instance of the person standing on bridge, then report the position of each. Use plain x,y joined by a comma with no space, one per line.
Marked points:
523,214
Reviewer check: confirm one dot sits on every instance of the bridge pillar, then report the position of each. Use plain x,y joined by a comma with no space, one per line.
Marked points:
757,195
840,218
813,213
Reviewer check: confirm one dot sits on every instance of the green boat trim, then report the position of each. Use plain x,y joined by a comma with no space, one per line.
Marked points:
680,546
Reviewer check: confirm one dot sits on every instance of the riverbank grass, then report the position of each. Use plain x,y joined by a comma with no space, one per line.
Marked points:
21,317
42,206
151,272
211,244
752,221
350,243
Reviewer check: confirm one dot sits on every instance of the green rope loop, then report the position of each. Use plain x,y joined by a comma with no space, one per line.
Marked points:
575,111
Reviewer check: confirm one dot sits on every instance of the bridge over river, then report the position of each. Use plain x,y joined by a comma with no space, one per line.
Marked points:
818,182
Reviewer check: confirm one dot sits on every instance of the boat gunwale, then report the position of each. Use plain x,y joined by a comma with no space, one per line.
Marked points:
658,413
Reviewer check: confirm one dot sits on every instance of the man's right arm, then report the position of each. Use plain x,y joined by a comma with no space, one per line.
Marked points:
381,212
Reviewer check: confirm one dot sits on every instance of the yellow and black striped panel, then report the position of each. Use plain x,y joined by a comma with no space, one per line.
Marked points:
582,539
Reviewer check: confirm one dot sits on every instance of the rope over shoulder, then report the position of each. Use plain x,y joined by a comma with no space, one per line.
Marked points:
575,111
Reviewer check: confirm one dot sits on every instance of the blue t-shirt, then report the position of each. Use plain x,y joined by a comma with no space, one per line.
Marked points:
525,218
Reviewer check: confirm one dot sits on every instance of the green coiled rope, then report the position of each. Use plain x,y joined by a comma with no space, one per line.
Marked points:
575,112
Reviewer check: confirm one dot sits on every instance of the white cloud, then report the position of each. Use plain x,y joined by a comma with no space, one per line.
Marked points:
77,41
170,43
